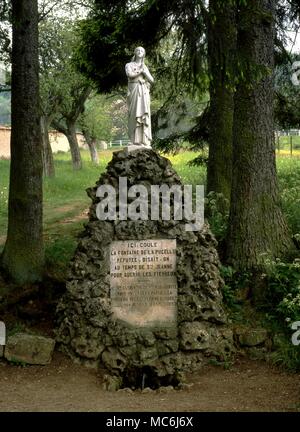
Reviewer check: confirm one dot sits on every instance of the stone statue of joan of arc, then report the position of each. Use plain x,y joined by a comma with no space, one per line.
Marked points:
138,99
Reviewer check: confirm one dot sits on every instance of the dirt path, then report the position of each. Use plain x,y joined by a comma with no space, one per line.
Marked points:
63,386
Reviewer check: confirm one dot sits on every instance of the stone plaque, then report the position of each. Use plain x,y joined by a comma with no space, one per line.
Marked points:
143,284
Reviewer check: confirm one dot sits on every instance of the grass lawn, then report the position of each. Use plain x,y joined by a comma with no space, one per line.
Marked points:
288,144
66,201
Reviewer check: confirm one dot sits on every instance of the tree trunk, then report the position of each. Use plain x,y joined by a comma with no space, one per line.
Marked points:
221,52
93,151
67,124
92,146
48,162
74,147
23,255
70,132
257,227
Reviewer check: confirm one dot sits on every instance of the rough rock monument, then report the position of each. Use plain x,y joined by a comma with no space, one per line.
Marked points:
143,297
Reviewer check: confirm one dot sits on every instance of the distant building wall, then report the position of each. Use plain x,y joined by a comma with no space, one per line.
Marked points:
58,142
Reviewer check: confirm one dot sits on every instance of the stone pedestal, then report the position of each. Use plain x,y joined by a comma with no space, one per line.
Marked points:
94,327
133,147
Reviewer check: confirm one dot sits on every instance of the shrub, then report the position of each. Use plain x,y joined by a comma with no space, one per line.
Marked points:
217,210
282,308
283,288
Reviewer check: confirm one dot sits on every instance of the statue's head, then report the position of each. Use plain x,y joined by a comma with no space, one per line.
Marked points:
139,53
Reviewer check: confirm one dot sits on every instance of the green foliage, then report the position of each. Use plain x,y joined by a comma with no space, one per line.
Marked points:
173,36
289,183
217,209
289,307
226,364
16,327
283,290
17,362
287,106
282,308
192,176
96,118
65,197
4,10
58,253
101,54
195,138
61,85
200,160
105,117
229,288
182,122
283,278
229,296
3,198
5,18
235,281
286,355
104,49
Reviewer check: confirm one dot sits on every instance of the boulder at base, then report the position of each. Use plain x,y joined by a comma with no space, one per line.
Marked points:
30,349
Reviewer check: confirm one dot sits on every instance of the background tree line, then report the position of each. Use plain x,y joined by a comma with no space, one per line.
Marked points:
233,43
225,50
